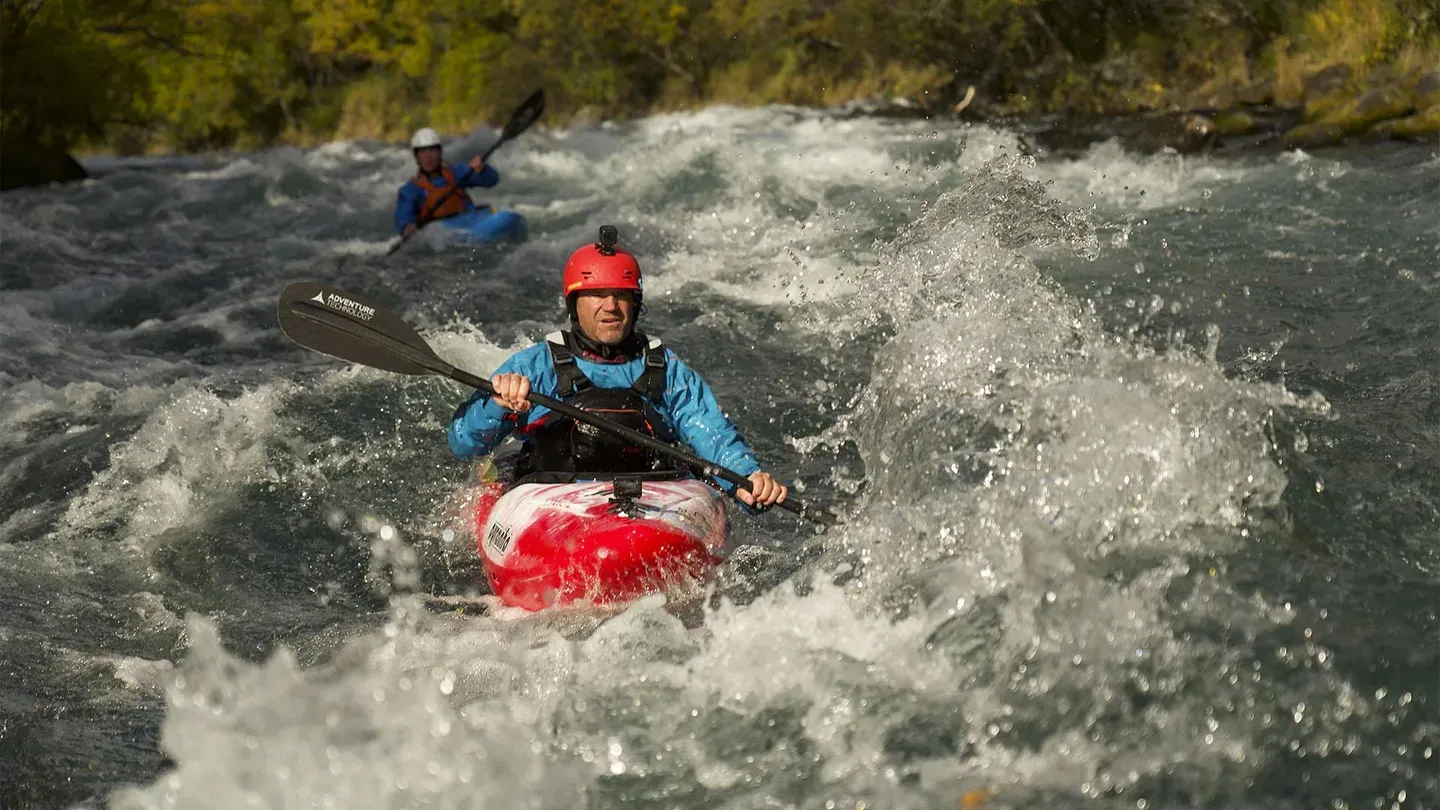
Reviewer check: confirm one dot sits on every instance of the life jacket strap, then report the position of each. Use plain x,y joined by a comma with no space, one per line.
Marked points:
454,198
651,383
569,379
563,444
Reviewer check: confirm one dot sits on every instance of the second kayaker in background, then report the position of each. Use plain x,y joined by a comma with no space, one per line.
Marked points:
428,195
603,364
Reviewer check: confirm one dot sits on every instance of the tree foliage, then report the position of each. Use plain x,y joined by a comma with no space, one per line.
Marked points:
63,75
193,74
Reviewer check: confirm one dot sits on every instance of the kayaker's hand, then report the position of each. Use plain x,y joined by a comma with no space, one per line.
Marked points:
764,491
511,390
477,164
409,229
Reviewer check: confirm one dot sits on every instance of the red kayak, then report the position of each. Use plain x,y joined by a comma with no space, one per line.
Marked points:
596,542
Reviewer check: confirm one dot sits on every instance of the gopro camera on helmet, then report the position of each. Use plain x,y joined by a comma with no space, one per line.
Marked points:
609,236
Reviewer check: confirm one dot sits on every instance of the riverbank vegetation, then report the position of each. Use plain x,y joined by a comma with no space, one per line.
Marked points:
177,75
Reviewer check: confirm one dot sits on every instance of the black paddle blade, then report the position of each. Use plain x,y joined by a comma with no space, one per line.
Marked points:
526,115
349,327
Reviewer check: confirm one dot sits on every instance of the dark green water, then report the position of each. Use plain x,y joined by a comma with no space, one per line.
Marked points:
1141,458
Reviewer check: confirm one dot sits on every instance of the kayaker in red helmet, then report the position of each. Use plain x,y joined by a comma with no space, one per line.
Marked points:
602,363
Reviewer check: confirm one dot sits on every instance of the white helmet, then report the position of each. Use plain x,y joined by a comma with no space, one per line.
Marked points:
424,138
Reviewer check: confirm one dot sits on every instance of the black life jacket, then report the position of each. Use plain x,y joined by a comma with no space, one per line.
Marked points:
562,445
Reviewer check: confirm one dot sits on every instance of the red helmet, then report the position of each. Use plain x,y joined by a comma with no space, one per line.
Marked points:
602,266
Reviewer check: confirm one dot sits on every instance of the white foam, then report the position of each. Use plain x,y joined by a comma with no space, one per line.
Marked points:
551,164
1110,177
1035,490
462,345
770,234
143,675
342,155
158,481
237,166
244,736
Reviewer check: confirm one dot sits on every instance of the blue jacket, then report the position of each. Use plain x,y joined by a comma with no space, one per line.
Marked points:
411,199
689,406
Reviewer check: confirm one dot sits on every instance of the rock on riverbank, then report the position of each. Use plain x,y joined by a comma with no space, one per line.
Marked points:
25,163
1335,106
1340,106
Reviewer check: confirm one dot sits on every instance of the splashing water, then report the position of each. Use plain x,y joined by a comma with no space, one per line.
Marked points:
1089,558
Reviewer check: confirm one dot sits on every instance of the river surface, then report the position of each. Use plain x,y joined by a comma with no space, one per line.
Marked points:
1139,459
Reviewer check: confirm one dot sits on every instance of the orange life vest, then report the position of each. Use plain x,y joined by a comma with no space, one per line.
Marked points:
454,204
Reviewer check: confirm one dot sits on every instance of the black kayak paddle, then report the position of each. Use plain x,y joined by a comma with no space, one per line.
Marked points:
519,121
358,330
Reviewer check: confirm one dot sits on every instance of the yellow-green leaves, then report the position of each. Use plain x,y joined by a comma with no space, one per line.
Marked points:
193,74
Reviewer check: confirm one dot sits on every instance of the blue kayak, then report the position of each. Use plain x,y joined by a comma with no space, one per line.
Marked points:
486,226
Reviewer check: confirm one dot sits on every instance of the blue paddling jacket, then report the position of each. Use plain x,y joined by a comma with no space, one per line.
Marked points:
423,193
686,404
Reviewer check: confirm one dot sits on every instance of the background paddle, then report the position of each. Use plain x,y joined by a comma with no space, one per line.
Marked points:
519,121
352,328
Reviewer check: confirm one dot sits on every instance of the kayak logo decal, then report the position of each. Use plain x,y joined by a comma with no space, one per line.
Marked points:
340,303
498,539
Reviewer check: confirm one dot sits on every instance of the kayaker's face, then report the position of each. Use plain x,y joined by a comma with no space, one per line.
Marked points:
606,316
428,158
